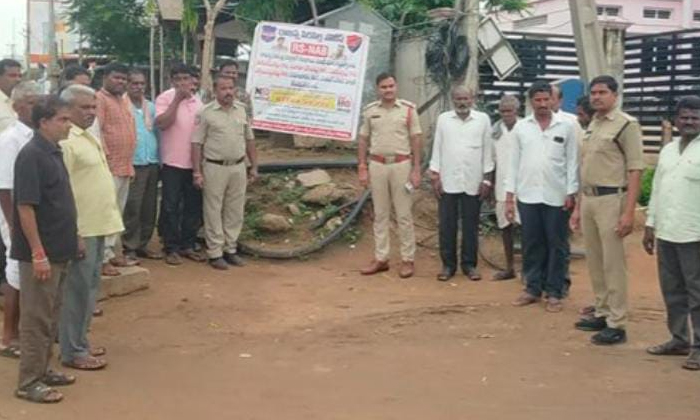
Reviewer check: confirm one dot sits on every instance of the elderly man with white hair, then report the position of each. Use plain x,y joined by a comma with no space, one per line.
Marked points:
503,145
17,134
98,217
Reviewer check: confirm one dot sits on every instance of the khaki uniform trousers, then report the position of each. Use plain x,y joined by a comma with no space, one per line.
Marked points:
387,182
224,204
38,322
605,256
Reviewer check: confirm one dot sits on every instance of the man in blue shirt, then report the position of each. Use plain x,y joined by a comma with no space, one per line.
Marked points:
141,205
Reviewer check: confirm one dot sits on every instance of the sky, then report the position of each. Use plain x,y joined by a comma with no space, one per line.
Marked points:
12,10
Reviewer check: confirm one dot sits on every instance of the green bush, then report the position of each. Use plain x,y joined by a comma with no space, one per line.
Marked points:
647,180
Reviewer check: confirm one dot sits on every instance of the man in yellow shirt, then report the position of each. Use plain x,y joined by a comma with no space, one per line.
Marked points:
98,217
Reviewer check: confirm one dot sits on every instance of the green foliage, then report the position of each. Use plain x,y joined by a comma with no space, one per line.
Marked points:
190,16
647,182
117,28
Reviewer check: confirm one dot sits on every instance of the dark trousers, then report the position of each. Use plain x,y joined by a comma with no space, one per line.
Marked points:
141,207
544,237
452,209
679,273
180,209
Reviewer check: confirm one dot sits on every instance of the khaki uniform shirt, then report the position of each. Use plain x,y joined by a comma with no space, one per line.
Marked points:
390,129
7,114
92,184
222,132
604,163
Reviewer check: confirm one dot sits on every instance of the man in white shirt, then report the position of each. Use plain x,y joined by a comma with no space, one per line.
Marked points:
673,222
10,76
503,143
24,96
461,170
544,178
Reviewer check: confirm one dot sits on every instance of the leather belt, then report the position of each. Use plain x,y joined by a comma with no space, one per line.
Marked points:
599,191
389,159
225,162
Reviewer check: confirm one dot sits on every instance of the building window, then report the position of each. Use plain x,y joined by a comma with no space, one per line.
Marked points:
529,22
696,16
608,11
657,14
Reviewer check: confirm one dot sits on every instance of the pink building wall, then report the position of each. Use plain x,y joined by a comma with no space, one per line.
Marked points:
558,16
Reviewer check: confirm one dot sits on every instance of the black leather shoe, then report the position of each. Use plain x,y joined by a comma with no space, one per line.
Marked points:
471,273
591,324
445,274
234,259
218,263
609,337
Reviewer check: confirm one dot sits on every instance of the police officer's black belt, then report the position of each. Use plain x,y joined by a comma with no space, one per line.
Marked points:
225,162
598,191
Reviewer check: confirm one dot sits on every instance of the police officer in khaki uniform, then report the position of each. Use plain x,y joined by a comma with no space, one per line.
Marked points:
392,133
610,178
222,139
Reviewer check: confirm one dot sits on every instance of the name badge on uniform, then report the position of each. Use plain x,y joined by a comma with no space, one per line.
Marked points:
559,139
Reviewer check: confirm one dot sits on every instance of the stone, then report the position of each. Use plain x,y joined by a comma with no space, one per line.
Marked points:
274,223
293,209
131,279
323,194
314,178
333,223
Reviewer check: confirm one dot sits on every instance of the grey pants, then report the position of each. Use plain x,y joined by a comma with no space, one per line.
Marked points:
79,297
679,273
141,208
41,304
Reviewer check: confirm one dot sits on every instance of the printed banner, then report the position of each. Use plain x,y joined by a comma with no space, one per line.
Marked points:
307,80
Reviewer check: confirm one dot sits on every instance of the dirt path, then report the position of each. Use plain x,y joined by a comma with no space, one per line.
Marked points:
315,340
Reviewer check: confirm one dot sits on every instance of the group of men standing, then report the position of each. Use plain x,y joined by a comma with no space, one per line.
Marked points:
551,172
79,170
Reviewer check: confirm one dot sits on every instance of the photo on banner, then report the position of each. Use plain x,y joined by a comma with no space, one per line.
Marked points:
307,80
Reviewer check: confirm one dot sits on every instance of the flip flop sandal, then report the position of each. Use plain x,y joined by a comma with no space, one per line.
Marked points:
39,393
193,255
668,349
10,351
98,351
53,378
88,363
691,364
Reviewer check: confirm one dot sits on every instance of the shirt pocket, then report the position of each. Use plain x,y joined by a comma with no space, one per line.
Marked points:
691,170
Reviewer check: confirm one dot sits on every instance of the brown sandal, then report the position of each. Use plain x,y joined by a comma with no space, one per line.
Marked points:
87,363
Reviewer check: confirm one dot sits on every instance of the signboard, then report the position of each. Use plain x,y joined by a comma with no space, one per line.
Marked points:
307,80
497,49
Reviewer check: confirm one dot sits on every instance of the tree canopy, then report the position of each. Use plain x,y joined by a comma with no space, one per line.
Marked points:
118,28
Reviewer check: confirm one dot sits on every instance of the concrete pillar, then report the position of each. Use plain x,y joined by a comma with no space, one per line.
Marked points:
687,15
614,48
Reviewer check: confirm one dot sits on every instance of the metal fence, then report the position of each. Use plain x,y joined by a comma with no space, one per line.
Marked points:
659,69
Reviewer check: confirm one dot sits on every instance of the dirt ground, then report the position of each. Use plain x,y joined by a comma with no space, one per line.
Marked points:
315,340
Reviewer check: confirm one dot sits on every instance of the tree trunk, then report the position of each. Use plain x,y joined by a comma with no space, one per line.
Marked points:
161,57
152,60
208,48
184,48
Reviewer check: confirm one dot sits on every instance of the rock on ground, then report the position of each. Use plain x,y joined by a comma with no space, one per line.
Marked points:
314,178
274,223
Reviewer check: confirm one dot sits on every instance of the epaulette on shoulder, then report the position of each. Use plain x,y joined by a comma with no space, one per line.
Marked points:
371,105
407,103
628,117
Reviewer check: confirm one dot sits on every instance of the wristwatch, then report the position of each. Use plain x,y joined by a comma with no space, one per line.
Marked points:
487,183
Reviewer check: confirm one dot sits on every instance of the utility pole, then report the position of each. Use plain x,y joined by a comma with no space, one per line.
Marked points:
53,48
589,38
469,9
28,40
